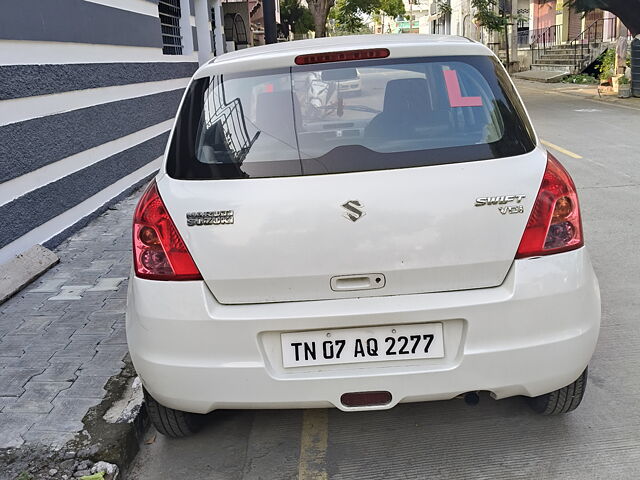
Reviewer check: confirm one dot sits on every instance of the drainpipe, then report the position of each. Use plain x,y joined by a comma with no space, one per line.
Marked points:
269,12
218,31
635,67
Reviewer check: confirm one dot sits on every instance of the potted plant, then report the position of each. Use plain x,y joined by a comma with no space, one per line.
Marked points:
624,87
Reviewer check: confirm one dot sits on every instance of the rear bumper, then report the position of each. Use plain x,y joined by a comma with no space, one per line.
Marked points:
532,335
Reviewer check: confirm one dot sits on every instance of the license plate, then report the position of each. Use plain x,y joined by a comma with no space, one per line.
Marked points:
356,345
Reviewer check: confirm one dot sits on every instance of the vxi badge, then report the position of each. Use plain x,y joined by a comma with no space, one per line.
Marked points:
503,202
354,210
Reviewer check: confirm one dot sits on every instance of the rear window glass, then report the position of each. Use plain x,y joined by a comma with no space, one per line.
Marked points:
347,117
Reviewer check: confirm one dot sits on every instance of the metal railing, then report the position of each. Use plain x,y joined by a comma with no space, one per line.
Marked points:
602,30
542,39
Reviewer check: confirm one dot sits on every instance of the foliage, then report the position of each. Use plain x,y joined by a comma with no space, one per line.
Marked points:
348,14
296,17
487,17
582,79
623,81
444,8
607,64
391,8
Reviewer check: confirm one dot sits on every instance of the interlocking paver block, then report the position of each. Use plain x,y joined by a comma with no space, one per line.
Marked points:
100,323
13,379
108,361
32,358
37,397
80,339
71,292
5,401
107,284
84,351
117,305
67,415
14,425
50,285
118,337
14,345
35,324
59,372
86,386
50,307
101,265
74,318
47,438
53,340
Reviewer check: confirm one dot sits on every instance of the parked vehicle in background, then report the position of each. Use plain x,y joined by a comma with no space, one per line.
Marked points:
413,243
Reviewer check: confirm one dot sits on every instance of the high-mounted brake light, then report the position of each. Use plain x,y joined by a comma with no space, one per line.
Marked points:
159,253
554,225
345,56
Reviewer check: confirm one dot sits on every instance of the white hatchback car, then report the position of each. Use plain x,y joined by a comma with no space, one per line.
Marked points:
303,249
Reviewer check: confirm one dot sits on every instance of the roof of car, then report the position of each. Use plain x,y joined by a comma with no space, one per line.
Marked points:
400,45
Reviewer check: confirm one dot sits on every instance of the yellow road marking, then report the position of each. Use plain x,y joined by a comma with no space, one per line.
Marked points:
560,149
313,445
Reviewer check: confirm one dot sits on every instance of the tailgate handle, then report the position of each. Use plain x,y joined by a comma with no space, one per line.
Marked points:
357,282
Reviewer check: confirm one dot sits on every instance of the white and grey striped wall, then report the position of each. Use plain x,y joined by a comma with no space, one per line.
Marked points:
87,99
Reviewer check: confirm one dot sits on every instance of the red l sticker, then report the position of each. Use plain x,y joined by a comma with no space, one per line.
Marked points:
455,95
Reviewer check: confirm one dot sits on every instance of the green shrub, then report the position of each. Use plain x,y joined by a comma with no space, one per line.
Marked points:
607,64
581,79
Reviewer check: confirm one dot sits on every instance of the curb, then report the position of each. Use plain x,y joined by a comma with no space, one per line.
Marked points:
24,269
115,443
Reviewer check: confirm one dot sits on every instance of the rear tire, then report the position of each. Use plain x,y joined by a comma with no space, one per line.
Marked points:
563,400
170,422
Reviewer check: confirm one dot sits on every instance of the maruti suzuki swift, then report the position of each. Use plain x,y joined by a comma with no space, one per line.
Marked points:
304,248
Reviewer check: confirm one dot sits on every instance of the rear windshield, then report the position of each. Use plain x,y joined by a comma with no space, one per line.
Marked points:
348,117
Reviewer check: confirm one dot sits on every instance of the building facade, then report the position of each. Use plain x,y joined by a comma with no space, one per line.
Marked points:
550,23
88,93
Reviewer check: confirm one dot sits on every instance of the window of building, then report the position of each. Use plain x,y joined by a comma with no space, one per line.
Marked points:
169,11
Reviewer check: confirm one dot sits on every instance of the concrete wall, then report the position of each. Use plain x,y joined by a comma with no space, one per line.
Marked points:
86,102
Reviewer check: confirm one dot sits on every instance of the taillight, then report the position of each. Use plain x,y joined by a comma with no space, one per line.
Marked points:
554,224
158,250
346,56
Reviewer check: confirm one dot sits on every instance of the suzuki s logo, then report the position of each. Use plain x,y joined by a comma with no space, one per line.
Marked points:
354,210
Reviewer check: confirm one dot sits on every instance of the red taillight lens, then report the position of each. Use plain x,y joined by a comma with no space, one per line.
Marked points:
554,225
158,250
345,56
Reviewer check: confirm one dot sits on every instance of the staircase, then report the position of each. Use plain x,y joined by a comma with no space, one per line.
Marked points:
569,58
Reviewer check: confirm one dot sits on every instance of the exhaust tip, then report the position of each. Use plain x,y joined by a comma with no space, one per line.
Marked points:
366,399
471,398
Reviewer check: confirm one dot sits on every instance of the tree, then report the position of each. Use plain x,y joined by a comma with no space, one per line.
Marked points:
391,8
628,11
487,17
348,14
295,18
320,11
